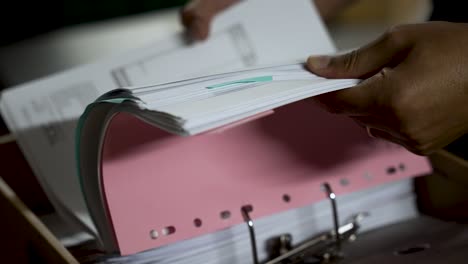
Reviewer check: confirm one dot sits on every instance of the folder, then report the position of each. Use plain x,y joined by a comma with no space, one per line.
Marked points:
158,188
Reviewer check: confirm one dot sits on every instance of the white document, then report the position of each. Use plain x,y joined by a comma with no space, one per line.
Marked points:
43,114
200,104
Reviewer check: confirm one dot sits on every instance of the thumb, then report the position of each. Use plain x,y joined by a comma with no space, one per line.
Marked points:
360,63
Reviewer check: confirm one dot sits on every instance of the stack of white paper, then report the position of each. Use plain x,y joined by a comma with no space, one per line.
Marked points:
197,105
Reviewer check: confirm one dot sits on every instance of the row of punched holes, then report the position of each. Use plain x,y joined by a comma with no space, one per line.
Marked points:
197,222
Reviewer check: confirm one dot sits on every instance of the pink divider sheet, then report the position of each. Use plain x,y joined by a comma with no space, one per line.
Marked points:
161,188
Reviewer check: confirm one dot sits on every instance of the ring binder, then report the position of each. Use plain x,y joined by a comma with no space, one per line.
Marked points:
332,240
332,197
321,248
274,163
245,213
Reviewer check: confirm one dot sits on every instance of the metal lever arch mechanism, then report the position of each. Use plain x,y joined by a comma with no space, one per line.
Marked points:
321,248
332,197
245,213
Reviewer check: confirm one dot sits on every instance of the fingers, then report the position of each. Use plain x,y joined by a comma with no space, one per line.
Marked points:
331,8
376,131
370,122
382,134
363,99
197,15
373,123
197,29
351,101
363,62
196,18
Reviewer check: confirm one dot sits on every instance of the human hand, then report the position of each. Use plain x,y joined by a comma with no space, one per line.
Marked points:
416,93
197,15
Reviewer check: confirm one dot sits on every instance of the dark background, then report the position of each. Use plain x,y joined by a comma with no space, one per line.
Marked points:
24,19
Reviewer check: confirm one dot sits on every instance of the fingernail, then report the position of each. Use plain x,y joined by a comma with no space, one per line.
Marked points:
318,62
369,132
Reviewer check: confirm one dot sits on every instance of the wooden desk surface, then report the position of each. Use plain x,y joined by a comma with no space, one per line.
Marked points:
25,239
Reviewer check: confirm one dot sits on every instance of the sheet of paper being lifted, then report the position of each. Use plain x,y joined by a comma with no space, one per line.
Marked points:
43,114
